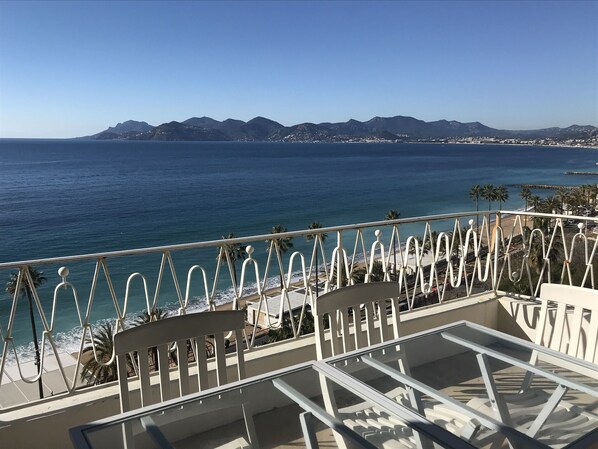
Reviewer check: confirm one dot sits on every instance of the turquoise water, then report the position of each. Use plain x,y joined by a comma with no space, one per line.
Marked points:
62,198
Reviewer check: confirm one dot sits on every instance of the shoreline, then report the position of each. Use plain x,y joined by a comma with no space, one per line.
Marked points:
365,141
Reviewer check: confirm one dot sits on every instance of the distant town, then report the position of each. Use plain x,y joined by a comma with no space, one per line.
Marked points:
589,142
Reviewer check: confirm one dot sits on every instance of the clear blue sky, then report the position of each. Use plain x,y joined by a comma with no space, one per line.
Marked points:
74,68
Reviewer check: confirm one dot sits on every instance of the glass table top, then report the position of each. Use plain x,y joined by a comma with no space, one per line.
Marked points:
473,382
268,410
459,386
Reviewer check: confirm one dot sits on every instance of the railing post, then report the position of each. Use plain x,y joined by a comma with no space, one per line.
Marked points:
339,259
496,233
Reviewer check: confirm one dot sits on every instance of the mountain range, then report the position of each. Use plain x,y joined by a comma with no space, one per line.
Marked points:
394,129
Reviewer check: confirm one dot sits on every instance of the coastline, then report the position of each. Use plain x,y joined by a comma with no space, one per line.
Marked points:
310,142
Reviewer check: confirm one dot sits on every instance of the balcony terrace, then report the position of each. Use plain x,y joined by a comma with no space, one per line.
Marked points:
486,268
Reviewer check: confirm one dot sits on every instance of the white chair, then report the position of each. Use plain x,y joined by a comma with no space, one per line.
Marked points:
161,334
568,323
200,329
573,327
358,316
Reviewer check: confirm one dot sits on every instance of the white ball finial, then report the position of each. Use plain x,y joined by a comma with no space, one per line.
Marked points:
249,250
580,226
471,222
377,232
63,272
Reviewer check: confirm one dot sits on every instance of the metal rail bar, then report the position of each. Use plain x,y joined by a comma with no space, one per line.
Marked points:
516,362
415,420
529,345
485,420
331,421
255,238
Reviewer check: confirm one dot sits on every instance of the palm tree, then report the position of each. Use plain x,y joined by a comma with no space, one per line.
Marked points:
548,205
501,194
475,193
154,315
357,275
576,200
526,195
539,206
393,214
535,200
586,190
96,371
424,248
377,274
235,252
590,191
552,205
144,318
284,243
38,279
310,237
487,192
536,254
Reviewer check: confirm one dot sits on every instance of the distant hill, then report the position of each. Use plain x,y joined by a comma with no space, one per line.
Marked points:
394,129
125,130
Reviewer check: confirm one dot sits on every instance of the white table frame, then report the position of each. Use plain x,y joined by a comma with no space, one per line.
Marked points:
425,429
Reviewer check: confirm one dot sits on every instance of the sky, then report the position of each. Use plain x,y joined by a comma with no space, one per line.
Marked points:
75,68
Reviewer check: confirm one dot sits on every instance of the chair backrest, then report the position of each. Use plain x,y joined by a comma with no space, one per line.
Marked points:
358,316
202,330
572,327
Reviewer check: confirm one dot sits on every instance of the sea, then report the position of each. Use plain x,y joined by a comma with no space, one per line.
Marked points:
69,197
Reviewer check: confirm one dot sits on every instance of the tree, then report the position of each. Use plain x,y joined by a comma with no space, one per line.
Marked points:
474,194
144,318
536,254
552,205
423,248
154,315
541,206
576,201
310,237
487,193
589,192
356,276
393,214
286,329
535,200
562,194
283,243
235,252
501,194
99,371
377,274
526,195
38,279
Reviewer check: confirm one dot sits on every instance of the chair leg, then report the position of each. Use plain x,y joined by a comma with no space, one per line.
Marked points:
309,435
331,407
250,426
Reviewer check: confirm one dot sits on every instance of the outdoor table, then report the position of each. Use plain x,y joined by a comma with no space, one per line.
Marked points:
456,386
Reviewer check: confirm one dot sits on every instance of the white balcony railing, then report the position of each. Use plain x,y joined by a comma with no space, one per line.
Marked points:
434,259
